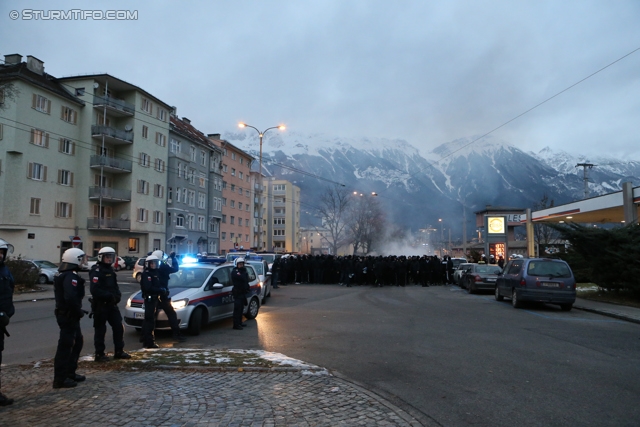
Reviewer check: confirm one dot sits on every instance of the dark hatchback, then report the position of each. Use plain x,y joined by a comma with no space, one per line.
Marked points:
537,279
481,277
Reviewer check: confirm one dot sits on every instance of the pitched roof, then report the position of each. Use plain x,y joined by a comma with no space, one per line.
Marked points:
45,81
186,129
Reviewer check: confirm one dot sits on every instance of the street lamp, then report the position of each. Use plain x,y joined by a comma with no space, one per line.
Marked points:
441,236
281,127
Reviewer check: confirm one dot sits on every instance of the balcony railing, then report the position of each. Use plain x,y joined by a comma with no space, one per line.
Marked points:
111,163
110,193
112,224
113,135
114,105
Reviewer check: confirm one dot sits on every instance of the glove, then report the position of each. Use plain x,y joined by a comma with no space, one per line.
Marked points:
172,255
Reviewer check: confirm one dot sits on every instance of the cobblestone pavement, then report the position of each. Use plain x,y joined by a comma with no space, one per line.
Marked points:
193,397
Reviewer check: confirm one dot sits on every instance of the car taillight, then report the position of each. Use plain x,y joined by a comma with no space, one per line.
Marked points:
523,282
478,279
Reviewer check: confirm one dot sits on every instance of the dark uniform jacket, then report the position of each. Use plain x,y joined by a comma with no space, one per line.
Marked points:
68,289
104,284
7,284
150,283
165,270
240,281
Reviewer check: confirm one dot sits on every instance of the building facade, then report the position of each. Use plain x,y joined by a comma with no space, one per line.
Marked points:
194,195
282,218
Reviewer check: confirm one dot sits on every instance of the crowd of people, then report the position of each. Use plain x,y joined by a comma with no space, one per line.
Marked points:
426,270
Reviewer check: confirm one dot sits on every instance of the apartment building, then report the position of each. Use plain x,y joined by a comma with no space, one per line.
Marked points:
194,195
83,156
258,212
236,224
282,207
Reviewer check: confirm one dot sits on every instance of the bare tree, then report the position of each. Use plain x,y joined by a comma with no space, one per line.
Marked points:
542,232
9,92
333,210
366,223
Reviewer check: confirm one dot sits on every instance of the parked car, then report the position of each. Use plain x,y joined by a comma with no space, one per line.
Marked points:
137,269
459,272
264,275
200,294
46,270
537,279
118,265
481,277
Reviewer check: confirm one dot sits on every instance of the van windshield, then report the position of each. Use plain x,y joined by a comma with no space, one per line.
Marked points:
549,269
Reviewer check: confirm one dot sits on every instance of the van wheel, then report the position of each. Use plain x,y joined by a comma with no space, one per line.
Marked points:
252,309
42,279
566,307
515,302
196,321
497,294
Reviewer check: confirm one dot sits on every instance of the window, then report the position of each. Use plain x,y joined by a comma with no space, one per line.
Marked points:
232,235
246,222
233,203
67,146
40,138
162,115
224,185
240,175
178,194
203,158
233,156
145,160
240,190
241,160
134,244
278,187
224,168
175,145
190,221
233,187
37,172
69,115
192,176
65,177
179,169
161,139
41,103
145,132
233,172
240,205
224,201
158,190
192,153
233,220
102,120
170,195
201,180
143,186
278,221
184,195
192,198
246,237
143,215
157,217
159,165
224,219
147,105
202,200
223,235
180,221
0,126
35,206
278,232
201,224
63,210
102,181
213,226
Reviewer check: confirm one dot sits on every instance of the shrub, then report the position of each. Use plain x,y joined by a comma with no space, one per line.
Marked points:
24,273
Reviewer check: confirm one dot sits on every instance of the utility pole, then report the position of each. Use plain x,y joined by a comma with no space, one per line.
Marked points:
586,176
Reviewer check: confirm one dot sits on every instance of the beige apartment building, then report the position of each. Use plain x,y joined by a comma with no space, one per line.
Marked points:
236,225
282,215
81,156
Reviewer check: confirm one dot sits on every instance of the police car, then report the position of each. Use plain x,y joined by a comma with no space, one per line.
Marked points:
200,294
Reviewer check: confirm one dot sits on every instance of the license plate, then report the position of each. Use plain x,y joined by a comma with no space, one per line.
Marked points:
138,315
491,280
550,285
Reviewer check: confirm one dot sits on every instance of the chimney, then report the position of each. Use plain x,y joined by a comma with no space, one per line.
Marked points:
184,119
214,136
35,65
174,111
12,59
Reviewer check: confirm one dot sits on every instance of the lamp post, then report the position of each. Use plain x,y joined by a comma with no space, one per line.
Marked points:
441,236
281,127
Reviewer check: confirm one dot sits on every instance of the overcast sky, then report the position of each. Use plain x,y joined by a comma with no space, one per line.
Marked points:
425,71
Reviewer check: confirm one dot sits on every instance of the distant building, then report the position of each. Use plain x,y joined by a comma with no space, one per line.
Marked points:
282,219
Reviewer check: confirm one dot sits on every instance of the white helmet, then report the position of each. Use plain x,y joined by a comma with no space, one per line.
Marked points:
6,248
73,256
158,254
238,260
106,251
151,257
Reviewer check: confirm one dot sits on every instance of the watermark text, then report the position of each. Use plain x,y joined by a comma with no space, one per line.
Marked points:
74,15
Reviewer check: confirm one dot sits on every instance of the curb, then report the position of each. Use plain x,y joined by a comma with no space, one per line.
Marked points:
609,314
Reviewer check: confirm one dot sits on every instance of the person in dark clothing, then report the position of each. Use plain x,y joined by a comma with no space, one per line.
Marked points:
7,284
68,289
240,281
105,296
154,284
275,273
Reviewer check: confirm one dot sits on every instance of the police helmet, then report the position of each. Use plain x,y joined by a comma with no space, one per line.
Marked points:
72,259
238,260
151,258
5,248
158,254
107,251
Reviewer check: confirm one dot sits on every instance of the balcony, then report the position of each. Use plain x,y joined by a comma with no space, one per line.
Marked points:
110,164
108,224
112,135
109,194
115,107
258,187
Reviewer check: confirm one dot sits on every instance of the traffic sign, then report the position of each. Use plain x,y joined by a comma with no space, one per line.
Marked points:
76,241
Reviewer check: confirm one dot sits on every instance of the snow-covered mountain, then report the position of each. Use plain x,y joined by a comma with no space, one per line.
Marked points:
416,190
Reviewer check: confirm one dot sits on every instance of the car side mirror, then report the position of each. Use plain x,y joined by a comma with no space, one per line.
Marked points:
269,273
217,286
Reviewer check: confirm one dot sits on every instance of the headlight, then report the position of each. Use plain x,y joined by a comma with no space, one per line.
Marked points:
129,300
181,303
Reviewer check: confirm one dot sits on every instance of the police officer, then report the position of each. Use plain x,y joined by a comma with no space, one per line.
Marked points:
7,309
240,282
68,290
106,295
155,291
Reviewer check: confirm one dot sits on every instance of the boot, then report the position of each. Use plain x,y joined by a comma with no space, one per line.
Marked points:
77,377
151,345
101,357
4,400
66,383
121,355
179,337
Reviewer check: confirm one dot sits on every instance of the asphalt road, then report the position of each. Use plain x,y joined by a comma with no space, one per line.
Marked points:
454,358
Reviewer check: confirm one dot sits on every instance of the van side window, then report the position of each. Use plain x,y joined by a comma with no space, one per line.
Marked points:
515,267
251,273
223,275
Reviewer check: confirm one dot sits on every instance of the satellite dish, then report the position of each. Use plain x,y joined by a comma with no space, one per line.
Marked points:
124,217
96,85
128,128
